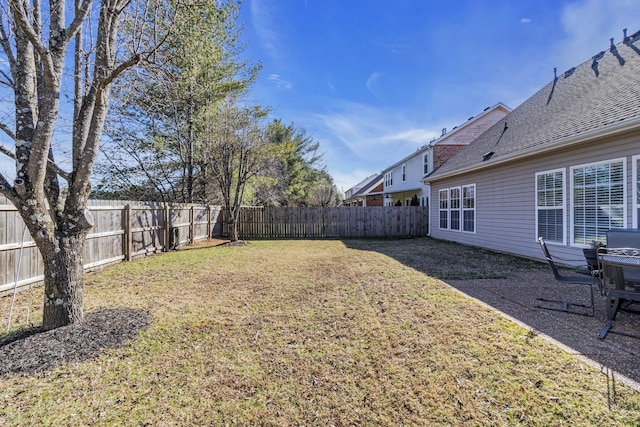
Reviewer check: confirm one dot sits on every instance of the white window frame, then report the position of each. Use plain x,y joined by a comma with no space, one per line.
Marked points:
457,209
460,209
388,179
425,163
404,172
473,209
622,160
563,171
442,210
636,190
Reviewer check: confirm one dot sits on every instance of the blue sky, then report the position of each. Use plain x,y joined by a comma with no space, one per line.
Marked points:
373,80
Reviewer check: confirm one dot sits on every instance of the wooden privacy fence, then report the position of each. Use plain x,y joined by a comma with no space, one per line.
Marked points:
123,230
331,222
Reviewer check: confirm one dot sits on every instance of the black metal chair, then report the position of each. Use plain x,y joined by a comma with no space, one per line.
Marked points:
620,267
625,238
574,280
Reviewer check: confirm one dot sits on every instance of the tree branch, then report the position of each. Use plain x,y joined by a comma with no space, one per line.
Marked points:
131,62
50,165
4,150
7,81
81,13
8,131
20,16
7,190
6,46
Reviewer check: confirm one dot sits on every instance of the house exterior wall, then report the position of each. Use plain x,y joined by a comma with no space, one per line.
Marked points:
438,152
413,175
443,152
476,128
404,190
505,203
375,200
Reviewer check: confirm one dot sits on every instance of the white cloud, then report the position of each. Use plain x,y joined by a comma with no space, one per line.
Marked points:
279,82
590,24
263,20
360,140
525,21
396,47
372,83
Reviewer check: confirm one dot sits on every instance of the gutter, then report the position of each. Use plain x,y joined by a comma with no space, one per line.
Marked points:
610,130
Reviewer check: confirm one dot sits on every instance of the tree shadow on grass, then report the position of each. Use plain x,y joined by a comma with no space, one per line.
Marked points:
448,260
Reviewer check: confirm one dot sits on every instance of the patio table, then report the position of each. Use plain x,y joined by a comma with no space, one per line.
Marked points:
620,282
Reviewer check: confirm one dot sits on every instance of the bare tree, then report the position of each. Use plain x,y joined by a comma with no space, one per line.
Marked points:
235,150
38,44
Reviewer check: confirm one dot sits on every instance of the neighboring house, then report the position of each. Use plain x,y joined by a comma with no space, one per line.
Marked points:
403,179
564,165
366,193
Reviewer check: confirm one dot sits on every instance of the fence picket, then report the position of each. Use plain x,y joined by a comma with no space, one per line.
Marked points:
125,230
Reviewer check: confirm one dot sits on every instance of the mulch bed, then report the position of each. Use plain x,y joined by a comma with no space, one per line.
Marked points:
33,350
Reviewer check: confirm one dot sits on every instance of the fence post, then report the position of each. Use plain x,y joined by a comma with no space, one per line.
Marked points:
208,222
165,230
128,238
192,225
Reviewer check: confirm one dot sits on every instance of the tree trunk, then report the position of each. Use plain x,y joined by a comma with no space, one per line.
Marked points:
63,283
234,232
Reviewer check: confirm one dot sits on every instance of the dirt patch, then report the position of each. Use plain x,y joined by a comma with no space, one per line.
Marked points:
236,243
33,350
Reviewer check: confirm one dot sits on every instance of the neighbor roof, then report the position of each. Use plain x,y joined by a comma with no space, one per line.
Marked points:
598,96
446,136
366,188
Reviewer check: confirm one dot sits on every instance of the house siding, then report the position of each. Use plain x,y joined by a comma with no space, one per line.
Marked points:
438,152
413,173
505,197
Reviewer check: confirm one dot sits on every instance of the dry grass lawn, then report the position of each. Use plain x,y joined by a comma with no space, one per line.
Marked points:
312,333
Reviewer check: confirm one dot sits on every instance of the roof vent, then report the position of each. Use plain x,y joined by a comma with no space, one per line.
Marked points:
632,38
444,131
614,52
569,72
486,109
487,156
594,64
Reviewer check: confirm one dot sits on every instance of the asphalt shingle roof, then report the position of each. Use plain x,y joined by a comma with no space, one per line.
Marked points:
375,181
600,92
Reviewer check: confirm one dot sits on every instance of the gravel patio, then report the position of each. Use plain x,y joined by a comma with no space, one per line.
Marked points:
516,297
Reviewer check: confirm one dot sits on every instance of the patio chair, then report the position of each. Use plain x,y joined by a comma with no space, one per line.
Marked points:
620,265
572,280
625,238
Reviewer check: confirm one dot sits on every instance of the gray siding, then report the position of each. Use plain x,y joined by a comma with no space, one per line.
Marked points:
505,198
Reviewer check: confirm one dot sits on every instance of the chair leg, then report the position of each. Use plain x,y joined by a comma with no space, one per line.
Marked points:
613,305
593,305
566,305
605,329
608,328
